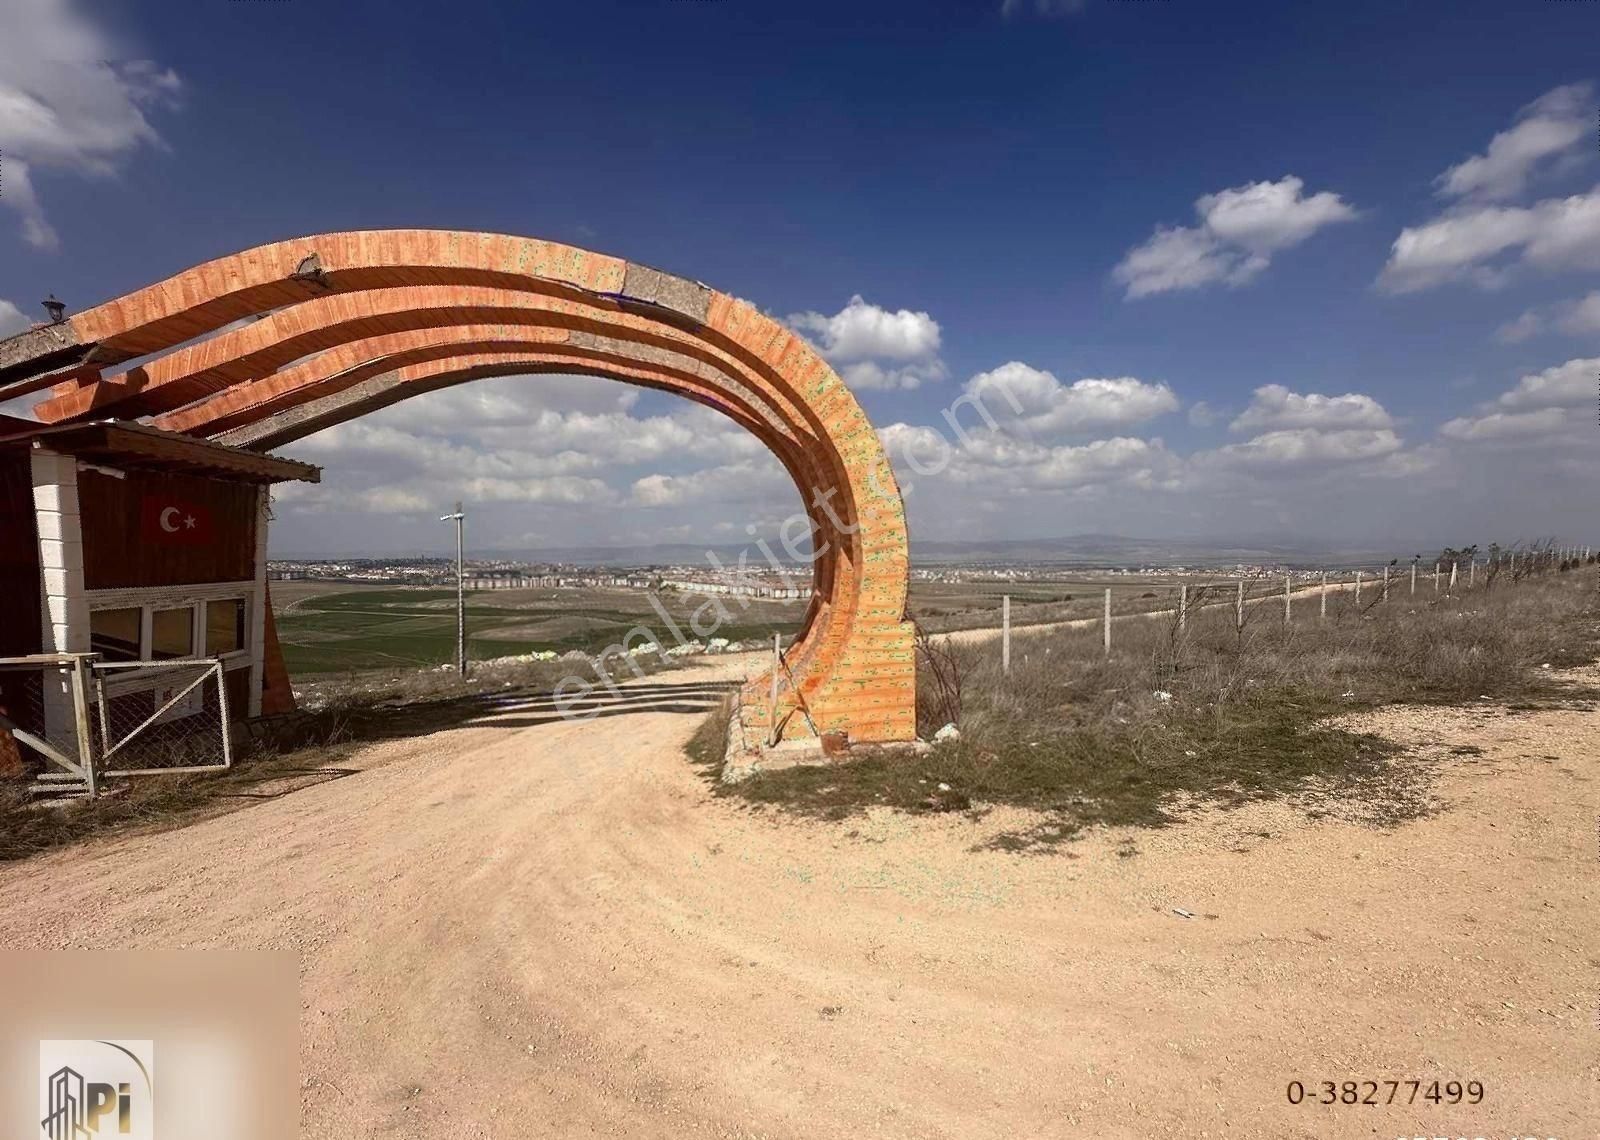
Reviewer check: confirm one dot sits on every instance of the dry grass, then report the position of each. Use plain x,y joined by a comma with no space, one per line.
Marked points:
1215,714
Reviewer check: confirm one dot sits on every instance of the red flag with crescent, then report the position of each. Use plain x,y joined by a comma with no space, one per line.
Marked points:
175,522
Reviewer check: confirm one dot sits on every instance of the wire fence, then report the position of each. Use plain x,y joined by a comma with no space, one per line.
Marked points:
1331,594
72,720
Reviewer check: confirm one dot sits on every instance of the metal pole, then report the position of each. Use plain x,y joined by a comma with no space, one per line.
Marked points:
1005,633
80,718
1108,622
222,710
777,664
459,518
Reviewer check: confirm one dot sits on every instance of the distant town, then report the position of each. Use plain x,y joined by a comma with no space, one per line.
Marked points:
754,581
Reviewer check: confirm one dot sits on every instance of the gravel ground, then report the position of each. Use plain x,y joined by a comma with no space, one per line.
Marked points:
513,930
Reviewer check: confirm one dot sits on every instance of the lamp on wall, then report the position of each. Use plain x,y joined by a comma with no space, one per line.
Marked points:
56,309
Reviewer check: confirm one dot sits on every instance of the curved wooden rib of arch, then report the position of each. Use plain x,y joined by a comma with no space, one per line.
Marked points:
457,362
350,364
867,652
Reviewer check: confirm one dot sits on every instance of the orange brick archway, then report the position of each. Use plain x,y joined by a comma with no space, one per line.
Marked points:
343,323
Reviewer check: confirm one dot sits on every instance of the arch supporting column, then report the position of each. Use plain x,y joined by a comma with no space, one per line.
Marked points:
341,324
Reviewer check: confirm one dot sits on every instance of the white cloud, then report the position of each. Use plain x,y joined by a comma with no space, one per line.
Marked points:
67,103
873,347
1303,447
1203,415
1550,125
1032,399
12,321
1542,405
1240,230
745,481
1274,407
1563,386
1579,318
1556,234
1529,324
1541,424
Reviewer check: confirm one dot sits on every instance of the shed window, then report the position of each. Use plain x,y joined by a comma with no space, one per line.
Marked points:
224,626
172,633
114,634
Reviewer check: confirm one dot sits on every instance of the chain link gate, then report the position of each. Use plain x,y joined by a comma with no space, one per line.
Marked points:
155,717
44,714
81,720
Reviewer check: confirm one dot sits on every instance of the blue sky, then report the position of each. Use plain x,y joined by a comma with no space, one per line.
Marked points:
1171,228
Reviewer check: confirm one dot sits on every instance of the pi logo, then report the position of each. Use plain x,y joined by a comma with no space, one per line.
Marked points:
96,1090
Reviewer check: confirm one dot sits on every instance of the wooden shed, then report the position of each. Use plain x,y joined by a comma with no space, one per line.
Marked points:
138,545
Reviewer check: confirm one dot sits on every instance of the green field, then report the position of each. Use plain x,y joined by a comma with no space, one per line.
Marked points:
333,627
328,627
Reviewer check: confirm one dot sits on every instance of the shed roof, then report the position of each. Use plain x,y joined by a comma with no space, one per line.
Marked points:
124,444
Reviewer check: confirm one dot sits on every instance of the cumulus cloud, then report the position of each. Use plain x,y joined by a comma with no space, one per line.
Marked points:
1240,230
873,347
1542,405
734,482
1274,407
1579,318
1546,128
11,319
1302,447
1483,240
1032,399
1484,244
68,102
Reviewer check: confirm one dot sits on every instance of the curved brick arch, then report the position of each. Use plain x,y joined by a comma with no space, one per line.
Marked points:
855,671
349,403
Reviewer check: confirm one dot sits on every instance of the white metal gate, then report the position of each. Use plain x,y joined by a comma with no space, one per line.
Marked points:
87,719
154,717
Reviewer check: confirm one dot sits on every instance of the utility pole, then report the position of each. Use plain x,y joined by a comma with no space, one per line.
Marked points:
459,518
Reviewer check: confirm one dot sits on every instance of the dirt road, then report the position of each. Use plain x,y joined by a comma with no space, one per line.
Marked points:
519,929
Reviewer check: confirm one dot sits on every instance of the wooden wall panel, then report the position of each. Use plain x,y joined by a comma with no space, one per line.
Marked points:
119,553
19,557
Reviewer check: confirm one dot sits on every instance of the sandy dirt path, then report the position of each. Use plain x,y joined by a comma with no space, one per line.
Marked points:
513,930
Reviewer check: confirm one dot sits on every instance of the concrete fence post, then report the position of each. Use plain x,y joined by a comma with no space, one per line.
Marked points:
1238,610
1108,622
1183,608
1286,589
1322,602
1472,572
1436,567
1005,633
1385,595
1413,577
1454,566
1358,589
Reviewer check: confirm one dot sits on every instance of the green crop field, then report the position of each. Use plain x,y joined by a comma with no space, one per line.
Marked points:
330,627
333,627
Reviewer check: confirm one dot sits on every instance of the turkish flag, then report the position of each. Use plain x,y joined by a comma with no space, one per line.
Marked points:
175,522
